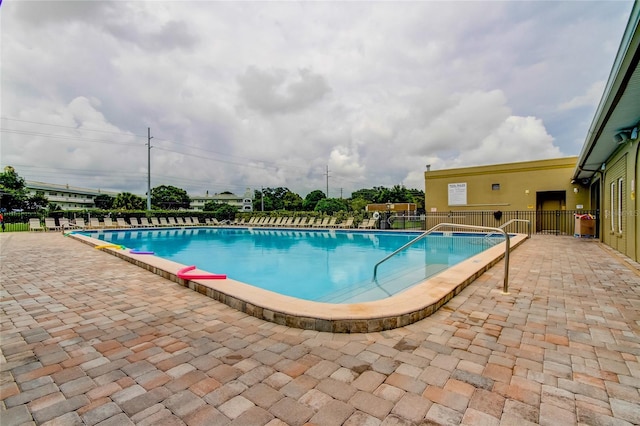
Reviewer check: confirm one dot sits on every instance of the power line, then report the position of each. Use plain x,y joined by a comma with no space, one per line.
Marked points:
247,162
71,127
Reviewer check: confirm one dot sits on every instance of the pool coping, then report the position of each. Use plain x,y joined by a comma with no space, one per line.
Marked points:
407,307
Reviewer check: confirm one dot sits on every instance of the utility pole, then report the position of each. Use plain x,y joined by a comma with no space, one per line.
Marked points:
149,137
327,181
341,193
262,199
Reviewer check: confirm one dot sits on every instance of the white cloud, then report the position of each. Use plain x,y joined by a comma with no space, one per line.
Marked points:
516,139
590,99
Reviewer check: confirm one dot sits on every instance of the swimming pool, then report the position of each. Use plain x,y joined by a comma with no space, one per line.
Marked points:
411,305
316,265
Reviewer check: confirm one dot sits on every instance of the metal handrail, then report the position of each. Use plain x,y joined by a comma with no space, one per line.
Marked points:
504,225
505,288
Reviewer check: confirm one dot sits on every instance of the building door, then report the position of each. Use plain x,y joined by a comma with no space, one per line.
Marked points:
548,207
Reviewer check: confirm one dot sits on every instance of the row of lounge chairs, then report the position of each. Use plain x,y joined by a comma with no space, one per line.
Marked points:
298,222
144,222
134,222
51,225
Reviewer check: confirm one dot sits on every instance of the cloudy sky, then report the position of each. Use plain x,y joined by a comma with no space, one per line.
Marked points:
249,94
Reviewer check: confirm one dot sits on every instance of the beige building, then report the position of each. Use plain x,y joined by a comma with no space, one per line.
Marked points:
530,185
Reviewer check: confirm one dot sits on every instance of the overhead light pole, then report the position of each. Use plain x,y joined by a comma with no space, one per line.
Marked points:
149,137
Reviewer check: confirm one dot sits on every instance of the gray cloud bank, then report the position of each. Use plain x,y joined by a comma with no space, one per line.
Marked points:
251,94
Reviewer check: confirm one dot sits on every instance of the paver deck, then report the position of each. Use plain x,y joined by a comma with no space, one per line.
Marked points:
87,338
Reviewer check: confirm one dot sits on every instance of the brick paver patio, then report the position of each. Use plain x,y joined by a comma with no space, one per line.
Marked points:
90,339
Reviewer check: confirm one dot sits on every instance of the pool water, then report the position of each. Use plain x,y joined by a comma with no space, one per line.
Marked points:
322,266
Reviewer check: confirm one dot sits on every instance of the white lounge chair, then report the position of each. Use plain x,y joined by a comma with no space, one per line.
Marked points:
35,225
122,223
94,222
50,224
108,223
163,221
367,224
322,224
79,223
144,222
347,224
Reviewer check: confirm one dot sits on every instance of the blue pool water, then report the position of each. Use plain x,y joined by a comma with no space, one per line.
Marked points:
322,266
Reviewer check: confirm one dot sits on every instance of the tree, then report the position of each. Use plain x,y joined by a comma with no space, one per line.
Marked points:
13,193
274,199
359,204
128,201
292,201
311,200
103,201
35,202
330,205
366,194
221,211
169,197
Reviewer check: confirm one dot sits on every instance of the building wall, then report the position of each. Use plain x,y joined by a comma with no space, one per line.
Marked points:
620,224
244,203
65,196
530,185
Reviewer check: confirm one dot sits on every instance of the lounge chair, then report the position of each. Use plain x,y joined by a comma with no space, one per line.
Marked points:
269,221
332,222
367,224
122,223
50,224
196,221
278,221
134,222
34,224
108,223
252,220
79,223
309,224
94,222
64,224
172,221
322,224
154,222
144,222
260,221
347,224
296,222
163,221
287,223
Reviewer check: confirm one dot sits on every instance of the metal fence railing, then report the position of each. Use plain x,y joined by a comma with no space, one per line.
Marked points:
554,222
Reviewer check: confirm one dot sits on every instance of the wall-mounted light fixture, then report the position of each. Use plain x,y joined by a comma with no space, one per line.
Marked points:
575,190
526,191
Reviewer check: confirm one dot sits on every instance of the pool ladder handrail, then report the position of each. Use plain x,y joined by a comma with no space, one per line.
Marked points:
504,225
505,288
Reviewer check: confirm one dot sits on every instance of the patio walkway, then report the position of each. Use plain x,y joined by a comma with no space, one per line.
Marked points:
91,339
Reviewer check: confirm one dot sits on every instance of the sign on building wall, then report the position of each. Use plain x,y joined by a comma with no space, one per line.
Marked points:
458,194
